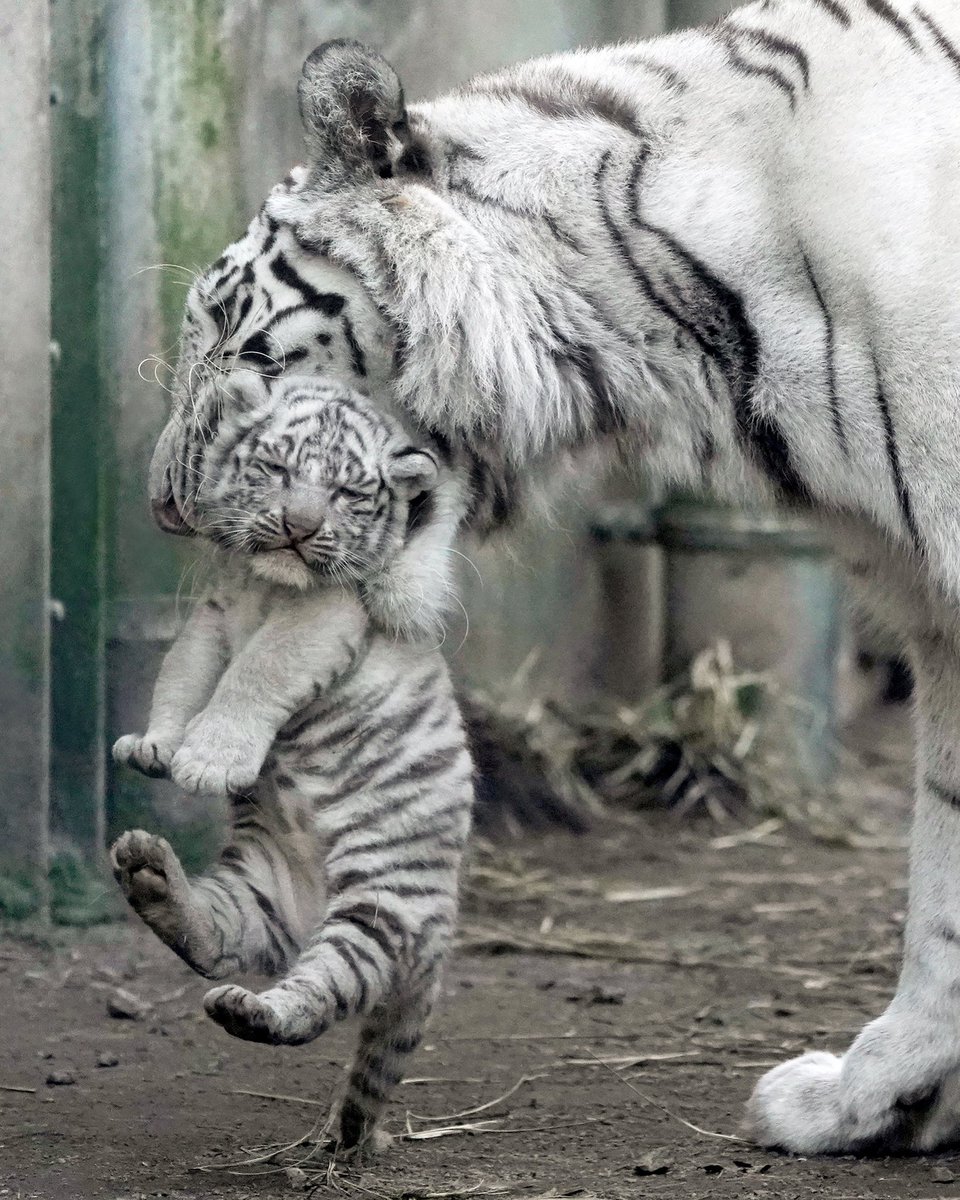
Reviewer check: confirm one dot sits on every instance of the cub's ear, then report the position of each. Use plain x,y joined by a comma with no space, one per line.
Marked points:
352,108
413,472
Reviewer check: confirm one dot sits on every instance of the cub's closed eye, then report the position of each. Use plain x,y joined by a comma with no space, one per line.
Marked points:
347,494
275,470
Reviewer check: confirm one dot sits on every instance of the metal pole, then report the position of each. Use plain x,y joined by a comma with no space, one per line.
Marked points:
79,449
24,453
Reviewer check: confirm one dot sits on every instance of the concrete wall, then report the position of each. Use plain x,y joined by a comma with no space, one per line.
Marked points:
24,446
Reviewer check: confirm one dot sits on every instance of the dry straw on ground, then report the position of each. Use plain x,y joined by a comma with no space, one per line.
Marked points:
719,742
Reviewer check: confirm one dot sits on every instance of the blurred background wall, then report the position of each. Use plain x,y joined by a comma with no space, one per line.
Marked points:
170,119
24,444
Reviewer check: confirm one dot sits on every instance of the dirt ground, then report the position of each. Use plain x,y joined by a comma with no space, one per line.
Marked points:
622,988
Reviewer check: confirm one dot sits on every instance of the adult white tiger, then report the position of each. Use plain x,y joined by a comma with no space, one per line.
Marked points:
732,255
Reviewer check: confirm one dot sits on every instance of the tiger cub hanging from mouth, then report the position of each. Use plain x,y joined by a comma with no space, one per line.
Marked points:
340,746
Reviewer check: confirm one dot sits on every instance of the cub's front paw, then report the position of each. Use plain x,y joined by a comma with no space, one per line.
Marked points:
150,753
218,759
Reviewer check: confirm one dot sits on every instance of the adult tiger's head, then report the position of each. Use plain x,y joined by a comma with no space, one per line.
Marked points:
310,288
310,480
455,262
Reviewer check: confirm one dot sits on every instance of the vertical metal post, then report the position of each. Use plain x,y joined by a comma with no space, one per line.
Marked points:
79,448
24,449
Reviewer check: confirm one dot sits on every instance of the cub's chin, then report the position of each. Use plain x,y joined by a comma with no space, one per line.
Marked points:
285,567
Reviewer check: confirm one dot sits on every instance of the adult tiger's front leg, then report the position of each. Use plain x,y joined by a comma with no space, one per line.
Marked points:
898,1086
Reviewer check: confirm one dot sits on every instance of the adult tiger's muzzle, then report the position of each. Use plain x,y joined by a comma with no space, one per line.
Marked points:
165,508
166,512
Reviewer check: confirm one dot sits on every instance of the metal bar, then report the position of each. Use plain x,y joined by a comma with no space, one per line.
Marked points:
24,449
79,447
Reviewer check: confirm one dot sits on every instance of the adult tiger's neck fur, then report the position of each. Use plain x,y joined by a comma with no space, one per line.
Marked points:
655,245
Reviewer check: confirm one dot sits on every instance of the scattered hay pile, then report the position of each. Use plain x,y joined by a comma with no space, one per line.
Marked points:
719,742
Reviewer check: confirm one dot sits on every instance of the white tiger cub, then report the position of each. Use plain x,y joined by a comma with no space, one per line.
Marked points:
732,255
341,746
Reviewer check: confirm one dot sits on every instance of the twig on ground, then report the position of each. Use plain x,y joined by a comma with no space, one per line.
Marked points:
269,1153
726,1137
632,1060
275,1096
469,1112
422,1135
488,1126
572,1035
757,833
440,1079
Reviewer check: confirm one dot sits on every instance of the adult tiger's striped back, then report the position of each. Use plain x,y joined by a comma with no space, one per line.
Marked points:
732,256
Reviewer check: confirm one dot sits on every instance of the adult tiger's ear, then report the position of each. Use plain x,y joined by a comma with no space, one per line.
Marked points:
352,109
413,472
243,389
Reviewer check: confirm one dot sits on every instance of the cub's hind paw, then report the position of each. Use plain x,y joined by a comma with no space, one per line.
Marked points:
150,754
156,887
244,1014
361,1138
282,1016
147,870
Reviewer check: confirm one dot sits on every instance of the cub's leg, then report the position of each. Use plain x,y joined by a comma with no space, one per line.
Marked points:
377,953
186,681
253,910
388,1037
898,1086
391,1031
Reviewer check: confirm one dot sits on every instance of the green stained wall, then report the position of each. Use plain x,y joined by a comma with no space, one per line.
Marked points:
24,452
198,205
81,450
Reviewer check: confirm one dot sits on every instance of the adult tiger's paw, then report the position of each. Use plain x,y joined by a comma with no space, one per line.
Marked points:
150,753
796,1106
218,758
897,1089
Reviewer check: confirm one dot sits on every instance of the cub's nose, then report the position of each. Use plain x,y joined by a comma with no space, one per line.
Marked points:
299,527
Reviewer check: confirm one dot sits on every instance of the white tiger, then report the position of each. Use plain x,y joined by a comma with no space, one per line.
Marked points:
732,256
340,746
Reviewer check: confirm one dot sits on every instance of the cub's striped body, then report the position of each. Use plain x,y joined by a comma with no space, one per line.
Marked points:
341,746
731,256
